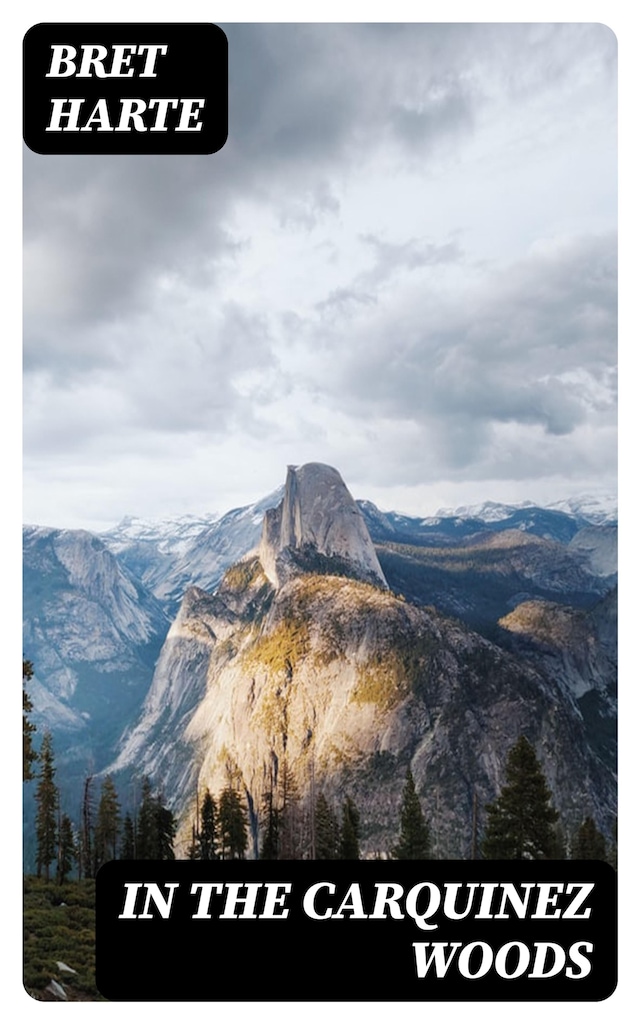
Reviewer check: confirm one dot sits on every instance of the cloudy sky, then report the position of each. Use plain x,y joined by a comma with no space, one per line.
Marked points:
402,263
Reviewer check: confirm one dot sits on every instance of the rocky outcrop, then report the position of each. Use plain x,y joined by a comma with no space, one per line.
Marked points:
579,650
305,665
93,633
578,647
169,556
317,527
89,626
348,686
179,685
599,547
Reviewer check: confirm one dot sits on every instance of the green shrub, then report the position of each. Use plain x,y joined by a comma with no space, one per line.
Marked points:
59,925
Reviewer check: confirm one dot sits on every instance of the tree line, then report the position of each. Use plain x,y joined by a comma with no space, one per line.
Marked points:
101,833
220,830
521,823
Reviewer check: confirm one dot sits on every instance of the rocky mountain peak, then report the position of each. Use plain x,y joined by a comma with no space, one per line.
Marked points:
317,527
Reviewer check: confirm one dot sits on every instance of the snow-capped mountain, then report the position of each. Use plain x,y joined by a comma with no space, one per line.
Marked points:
442,530
597,509
486,511
171,535
197,555
592,508
98,609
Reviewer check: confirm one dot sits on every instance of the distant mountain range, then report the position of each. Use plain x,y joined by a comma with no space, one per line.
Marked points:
172,554
168,555
596,509
395,640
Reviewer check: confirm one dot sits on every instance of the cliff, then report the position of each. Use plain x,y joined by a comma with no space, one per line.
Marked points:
317,526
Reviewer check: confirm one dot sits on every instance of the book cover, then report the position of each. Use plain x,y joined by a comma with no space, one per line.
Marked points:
320,510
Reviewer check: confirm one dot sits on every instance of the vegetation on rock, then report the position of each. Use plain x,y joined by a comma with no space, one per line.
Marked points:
242,575
281,649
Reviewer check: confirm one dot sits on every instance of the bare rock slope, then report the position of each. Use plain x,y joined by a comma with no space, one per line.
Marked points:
317,525
304,661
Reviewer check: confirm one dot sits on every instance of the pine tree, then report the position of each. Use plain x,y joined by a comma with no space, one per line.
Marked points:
232,825
193,849
327,831
128,851
67,849
29,755
589,843
207,837
86,845
47,800
145,826
289,815
350,831
520,823
156,827
270,827
415,841
165,832
107,823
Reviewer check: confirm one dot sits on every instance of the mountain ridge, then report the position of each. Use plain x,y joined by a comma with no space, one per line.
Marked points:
232,624
345,681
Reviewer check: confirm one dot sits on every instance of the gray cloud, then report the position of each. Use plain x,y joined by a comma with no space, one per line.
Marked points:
180,377
301,99
410,255
532,345
436,339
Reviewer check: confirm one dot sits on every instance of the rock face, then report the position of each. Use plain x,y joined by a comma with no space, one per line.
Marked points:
579,650
348,686
85,618
171,555
317,526
599,545
304,665
93,633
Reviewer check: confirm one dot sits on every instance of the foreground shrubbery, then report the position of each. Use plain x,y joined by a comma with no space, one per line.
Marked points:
59,925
